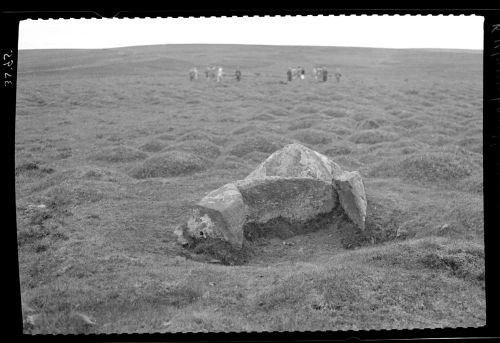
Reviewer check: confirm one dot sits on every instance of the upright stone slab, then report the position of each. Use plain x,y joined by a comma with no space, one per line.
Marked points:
352,197
220,214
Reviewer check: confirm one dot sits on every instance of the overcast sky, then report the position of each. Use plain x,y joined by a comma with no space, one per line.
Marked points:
447,32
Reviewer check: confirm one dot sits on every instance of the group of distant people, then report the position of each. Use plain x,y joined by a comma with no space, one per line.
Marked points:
320,74
212,73
216,73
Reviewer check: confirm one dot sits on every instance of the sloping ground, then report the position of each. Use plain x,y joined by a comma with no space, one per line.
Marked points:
114,147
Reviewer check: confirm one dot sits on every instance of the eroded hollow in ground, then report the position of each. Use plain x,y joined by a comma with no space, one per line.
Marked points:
280,240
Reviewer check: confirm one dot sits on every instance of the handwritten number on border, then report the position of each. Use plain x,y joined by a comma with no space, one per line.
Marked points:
8,62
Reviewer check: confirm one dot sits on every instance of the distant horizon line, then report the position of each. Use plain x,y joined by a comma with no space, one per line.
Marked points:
266,45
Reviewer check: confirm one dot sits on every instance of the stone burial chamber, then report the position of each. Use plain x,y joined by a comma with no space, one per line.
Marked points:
295,186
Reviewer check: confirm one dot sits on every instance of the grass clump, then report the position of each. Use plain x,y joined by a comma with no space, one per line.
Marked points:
170,163
474,144
306,109
472,184
338,150
263,117
201,148
340,113
255,157
119,153
439,167
229,162
301,124
408,123
77,192
461,260
372,137
166,137
280,112
312,137
245,129
309,292
154,145
368,124
202,135
81,173
32,169
258,143
95,173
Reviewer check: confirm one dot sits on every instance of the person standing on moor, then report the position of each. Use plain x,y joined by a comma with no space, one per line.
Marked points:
219,74
337,75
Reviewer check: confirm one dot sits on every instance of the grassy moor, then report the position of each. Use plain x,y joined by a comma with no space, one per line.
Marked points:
113,147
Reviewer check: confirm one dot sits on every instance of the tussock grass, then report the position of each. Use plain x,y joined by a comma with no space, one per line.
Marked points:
337,150
229,162
78,192
255,157
202,148
459,217
360,117
198,135
86,172
408,123
166,137
341,131
263,117
373,137
306,109
120,153
279,112
474,144
461,260
437,168
312,137
368,124
473,183
65,316
33,168
154,145
245,129
170,163
258,143
435,139
338,113
465,215
301,124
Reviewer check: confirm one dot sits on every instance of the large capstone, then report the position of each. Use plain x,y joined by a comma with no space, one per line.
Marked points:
296,160
295,185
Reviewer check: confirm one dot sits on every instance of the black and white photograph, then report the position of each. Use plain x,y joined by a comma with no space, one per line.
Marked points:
250,174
